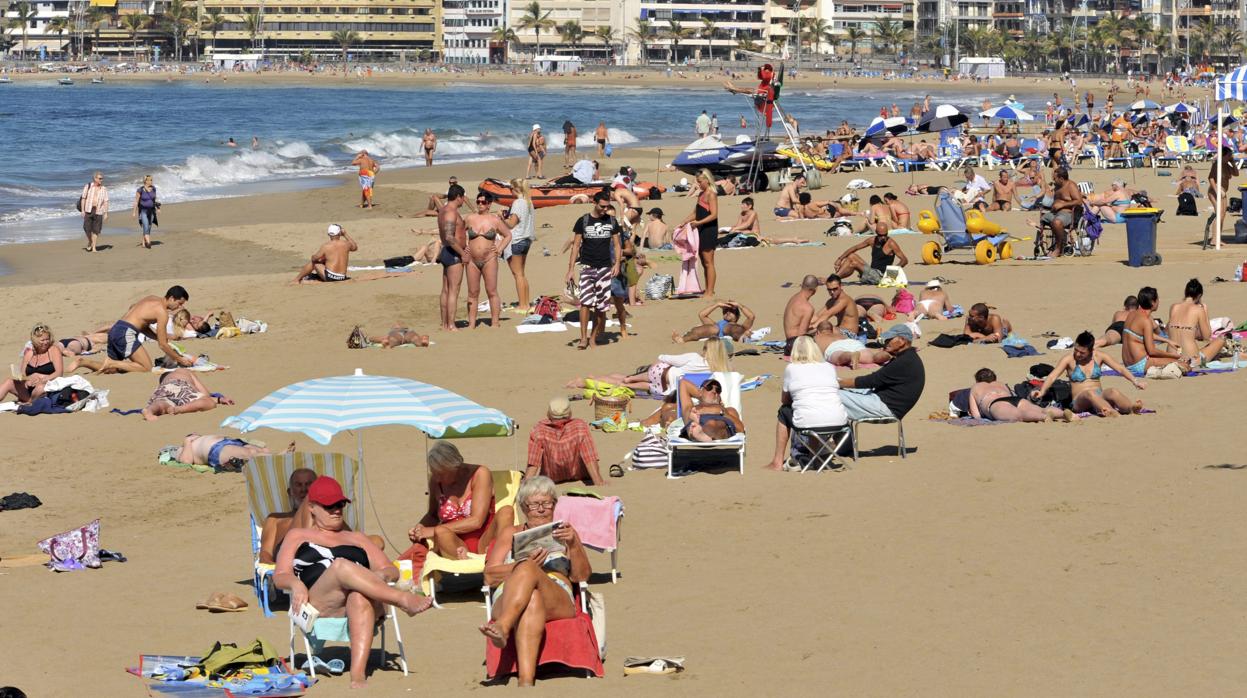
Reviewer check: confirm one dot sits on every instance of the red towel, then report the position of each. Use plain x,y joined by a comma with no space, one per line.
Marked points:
569,642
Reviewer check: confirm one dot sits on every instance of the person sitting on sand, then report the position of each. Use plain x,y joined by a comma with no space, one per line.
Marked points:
726,186
342,573
1004,193
277,524
1189,325
1187,183
747,225
461,517
657,234
561,448
840,306
786,206
436,202
330,260
991,399
706,418
884,252
41,362
984,326
537,588
900,212
879,211
180,392
799,312
1083,367
1140,344
149,317
1112,334
736,323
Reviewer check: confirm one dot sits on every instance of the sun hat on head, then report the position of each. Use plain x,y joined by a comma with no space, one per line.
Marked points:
901,331
933,283
536,127
559,408
334,230
326,492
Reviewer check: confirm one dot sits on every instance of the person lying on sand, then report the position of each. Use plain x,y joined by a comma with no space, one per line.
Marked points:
225,452
991,399
1112,335
736,323
397,336
933,302
984,326
148,317
841,351
329,262
1083,367
180,392
85,343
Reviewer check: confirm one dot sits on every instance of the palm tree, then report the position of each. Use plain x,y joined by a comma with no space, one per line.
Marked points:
58,26
214,22
832,39
23,16
607,36
506,36
888,32
1228,38
813,30
133,24
854,35
745,43
253,24
645,34
345,39
709,31
571,32
175,18
1162,44
676,33
97,17
536,19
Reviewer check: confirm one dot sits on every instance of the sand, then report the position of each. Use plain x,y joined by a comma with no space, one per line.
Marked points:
1096,558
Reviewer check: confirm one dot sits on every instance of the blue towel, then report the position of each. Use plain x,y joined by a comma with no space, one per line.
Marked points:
1015,351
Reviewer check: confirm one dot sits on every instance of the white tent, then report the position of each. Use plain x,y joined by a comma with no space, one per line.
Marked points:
557,64
981,67
228,61
1231,86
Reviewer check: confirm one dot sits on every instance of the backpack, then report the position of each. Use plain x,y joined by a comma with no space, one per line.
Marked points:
547,306
1186,204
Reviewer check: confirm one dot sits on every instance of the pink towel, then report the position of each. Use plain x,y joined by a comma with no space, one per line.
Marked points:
689,283
685,240
595,520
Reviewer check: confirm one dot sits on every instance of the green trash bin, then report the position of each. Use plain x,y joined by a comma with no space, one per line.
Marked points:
1141,236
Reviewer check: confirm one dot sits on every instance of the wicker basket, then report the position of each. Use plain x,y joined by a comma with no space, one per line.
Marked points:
608,407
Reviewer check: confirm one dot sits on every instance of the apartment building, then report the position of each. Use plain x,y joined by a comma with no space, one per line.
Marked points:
468,31
590,15
385,28
865,15
714,27
45,35
935,17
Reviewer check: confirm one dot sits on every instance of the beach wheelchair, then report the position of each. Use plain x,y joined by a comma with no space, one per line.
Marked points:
1080,239
965,231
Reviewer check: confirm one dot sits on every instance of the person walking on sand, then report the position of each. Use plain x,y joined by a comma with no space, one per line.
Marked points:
536,152
94,206
429,144
596,245
569,143
368,170
600,136
145,205
453,234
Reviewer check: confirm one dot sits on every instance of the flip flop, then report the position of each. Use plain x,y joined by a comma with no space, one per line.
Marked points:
333,666
223,603
616,470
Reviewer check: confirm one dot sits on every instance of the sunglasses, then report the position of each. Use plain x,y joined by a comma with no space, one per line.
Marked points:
335,508
481,201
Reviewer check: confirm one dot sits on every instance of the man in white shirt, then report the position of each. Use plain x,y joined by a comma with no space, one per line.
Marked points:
703,124
585,171
976,186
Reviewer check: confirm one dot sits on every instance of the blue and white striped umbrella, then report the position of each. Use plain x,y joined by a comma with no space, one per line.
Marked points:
941,118
895,125
1144,105
1180,108
322,407
1226,119
1233,85
1007,113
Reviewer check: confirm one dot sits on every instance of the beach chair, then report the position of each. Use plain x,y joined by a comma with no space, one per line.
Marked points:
597,521
714,451
1092,152
267,478
1177,148
816,447
854,425
905,165
572,642
506,486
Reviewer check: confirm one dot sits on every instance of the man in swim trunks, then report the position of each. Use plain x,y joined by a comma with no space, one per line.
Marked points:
329,262
217,451
148,317
1004,193
368,171
799,313
736,323
428,143
596,244
790,197
180,392
454,237
600,136
842,307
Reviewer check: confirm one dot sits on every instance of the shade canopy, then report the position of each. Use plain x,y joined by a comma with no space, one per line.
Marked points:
1233,85
1144,105
894,125
1007,113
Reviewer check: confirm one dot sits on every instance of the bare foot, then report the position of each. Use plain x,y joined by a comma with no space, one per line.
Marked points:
1068,415
415,604
774,465
677,337
362,683
582,344
149,415
493,632
1109,413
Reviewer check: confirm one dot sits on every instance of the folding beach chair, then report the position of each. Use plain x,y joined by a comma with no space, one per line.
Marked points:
702,451
506,486
900,432
816,447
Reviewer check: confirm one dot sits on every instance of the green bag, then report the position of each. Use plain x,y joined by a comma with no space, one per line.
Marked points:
225,659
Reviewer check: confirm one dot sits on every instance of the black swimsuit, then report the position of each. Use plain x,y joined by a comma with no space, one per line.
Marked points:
311,560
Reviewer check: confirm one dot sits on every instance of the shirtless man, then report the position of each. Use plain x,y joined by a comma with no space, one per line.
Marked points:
657,235
368,171
790,198
736,323
428,143
1004,193
150,317
329,262
984,326
599,136
1112,335
1065,199
842,307
277,524
900,212
436,202
799,313
453,233
218,451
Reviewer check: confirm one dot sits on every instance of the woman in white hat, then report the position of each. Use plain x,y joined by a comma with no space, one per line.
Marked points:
536,152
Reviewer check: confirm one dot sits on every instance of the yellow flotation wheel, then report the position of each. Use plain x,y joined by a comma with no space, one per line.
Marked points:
1006,250
928,223
931,252
984,252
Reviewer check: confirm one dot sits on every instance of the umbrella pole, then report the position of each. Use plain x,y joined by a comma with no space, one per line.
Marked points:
1217,214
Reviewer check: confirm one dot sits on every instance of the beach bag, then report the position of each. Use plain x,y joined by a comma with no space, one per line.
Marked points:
903,301
659,287
547,306
403,261
651,452
74,549
1186,204
1094,227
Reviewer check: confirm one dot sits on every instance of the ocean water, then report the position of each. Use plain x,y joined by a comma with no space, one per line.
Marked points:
55,136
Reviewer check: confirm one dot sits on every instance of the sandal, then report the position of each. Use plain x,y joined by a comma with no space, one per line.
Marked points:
616,470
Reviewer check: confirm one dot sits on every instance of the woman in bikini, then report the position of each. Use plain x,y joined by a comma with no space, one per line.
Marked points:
41,362
1140,345
461,517
341,573
536,152
991,399
180,392
1083,366
706,418
1189,325
487,237
537,588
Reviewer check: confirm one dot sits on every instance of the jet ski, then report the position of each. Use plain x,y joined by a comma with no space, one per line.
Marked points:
724,159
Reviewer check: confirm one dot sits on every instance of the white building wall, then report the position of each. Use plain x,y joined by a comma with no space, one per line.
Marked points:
468,27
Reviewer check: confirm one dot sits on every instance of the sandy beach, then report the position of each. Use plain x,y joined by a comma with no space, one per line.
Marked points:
1094,558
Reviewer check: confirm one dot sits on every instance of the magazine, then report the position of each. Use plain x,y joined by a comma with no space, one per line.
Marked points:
524,542
306,617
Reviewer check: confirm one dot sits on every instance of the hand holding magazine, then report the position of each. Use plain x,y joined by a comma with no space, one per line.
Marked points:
523,543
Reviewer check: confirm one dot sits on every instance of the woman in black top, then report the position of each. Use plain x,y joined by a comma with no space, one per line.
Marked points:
41,362
705,217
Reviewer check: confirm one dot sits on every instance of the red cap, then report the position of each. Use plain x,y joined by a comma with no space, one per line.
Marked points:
326,492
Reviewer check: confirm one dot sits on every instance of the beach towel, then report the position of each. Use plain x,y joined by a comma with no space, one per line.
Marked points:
548,327
595,520
686,240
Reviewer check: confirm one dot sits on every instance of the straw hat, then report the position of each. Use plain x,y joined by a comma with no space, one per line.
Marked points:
559,408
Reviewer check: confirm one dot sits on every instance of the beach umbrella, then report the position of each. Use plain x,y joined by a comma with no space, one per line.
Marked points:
1007,113
1231,86
1083,120
322,407
942,118
1180,108
1144,105
1226,119
895,125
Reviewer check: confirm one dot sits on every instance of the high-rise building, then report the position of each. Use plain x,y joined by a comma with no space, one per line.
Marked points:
383,28
468,31
588,16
